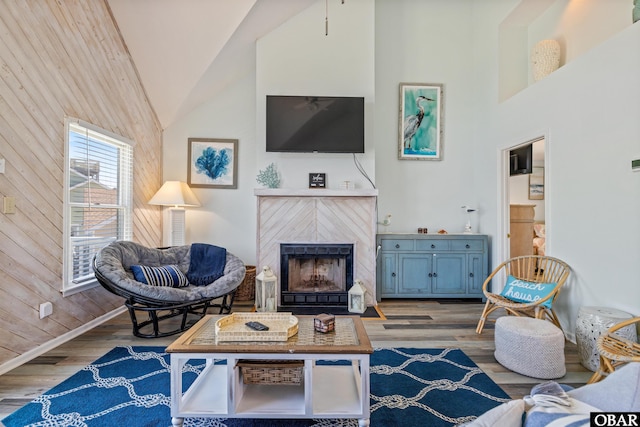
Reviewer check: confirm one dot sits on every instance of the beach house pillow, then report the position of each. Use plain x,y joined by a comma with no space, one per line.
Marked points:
167,275
523,291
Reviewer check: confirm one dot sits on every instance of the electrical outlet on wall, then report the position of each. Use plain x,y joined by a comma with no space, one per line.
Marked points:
46,309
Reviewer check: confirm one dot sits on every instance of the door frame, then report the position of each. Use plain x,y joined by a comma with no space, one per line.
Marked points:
503,249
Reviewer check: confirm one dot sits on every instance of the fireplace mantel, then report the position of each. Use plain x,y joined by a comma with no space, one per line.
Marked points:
320,192
319,216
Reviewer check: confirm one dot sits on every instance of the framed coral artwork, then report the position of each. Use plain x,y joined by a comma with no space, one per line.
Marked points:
213,163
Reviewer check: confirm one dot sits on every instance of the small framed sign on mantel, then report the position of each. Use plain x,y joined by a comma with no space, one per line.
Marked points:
317,180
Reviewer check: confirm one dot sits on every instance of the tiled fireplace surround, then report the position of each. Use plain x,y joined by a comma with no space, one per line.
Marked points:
287,216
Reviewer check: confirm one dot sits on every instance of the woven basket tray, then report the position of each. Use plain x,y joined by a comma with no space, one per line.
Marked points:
282,326
247,289
272,372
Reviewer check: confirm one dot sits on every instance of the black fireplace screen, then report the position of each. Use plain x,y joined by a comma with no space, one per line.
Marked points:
315,274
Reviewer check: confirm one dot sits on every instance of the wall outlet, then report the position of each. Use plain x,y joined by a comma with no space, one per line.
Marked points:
9,205
46,309
2,162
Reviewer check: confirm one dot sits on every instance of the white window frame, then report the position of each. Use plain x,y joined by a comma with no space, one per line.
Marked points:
71,284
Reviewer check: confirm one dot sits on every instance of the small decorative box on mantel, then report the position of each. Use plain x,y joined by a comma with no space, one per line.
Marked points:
324,323
317,180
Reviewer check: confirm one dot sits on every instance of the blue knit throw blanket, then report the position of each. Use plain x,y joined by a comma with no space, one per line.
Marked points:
206,264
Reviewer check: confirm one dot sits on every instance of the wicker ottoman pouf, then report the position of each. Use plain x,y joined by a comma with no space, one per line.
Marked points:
530,347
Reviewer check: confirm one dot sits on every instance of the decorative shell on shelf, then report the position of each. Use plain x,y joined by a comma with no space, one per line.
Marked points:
545,58
269,177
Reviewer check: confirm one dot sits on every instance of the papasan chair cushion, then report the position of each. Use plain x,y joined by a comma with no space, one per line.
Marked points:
112,266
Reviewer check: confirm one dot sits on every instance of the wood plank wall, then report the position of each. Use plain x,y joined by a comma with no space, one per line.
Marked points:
61,58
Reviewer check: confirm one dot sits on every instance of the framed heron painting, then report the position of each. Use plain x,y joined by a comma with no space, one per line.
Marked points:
420,133
213,163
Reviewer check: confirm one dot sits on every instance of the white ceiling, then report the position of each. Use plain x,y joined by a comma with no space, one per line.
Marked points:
187,50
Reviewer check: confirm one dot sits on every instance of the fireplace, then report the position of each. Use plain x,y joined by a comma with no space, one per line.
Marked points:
312,216
314,274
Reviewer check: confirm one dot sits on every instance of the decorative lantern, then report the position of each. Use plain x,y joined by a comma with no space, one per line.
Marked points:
356,297
266,290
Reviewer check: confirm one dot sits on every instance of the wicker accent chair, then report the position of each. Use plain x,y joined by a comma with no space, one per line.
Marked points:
530,268
615,350
112,268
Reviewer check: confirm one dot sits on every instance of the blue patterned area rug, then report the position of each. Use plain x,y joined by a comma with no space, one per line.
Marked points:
130,386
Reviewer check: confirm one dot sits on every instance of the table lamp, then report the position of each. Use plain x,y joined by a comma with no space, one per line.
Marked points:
178,195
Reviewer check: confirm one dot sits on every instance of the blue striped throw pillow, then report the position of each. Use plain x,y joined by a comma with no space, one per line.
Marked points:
167,275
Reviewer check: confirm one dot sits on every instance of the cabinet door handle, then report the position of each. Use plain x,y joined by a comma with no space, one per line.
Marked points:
430,275
435,274
470,274
397,246
433,246
393,274
467,246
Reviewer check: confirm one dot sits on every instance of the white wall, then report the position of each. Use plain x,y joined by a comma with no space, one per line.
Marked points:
425,42
227,217
296,59
578,25
299,59
588,111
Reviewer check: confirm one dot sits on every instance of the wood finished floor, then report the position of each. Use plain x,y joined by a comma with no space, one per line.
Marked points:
409,323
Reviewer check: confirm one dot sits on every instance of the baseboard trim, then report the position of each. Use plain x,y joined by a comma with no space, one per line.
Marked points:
51,344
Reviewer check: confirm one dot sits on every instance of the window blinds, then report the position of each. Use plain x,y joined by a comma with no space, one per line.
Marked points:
98,202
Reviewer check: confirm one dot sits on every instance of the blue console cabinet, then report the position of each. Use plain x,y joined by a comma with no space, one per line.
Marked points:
431,265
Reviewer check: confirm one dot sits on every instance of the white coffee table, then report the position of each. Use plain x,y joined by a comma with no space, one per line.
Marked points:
326,390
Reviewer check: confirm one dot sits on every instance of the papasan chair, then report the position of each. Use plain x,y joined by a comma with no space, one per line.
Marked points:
169,282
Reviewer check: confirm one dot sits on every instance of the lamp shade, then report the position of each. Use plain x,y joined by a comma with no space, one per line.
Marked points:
174,193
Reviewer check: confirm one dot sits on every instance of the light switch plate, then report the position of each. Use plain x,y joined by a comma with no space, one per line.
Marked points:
1,165
9,205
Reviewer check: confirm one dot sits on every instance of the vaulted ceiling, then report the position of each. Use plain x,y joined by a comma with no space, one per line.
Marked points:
188,50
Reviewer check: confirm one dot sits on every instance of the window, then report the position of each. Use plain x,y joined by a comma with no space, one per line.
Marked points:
98,176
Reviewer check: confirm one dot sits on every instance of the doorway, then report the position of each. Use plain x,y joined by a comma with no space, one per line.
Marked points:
523,203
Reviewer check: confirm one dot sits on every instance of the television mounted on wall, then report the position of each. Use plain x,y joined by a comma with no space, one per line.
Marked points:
322,124
521,160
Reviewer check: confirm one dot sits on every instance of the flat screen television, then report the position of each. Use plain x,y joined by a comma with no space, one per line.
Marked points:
521,160
323,124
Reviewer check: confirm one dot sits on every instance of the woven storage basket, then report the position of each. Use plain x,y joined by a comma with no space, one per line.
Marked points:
247,289
272,372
